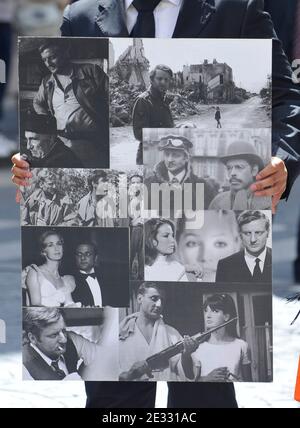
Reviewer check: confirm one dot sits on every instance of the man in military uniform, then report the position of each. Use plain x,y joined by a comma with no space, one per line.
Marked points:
151,109
45,206
243,165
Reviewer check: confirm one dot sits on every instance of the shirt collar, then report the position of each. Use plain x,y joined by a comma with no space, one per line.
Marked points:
261,257
45,358
128,3
179,176
87,273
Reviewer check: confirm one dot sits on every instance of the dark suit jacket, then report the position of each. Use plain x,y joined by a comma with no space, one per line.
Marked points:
212,19
115,292
234,269
283,15
40,370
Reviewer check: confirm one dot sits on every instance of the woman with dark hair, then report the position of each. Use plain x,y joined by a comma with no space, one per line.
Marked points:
160,248
44,284
223,357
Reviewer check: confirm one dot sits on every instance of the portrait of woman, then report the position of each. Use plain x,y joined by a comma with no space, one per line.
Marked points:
44,285
223,357
201,249
160,248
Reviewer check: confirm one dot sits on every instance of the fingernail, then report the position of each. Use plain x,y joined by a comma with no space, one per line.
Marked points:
253,187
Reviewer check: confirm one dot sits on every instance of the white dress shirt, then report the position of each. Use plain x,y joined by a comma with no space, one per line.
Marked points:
178,177
85,349
165,17
94,287
251,260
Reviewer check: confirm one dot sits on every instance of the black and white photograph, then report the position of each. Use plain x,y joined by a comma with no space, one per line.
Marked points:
73,197
75,267
203,84
136,223
226,162
64,102
70,344
230,247
196,334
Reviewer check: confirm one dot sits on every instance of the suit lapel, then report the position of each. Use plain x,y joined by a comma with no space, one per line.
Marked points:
193,18
84,292
111,18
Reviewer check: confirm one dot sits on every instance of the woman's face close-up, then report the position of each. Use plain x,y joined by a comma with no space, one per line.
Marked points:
165,242
214,317
53,248
208,245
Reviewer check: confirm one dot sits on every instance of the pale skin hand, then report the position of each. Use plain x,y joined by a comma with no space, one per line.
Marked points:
271,181
21,174
137,371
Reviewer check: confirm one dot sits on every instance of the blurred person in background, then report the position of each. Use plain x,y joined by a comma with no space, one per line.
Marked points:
286,19
7,15
39,17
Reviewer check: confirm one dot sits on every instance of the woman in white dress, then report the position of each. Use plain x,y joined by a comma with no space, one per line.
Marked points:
223,357
44,284
160,248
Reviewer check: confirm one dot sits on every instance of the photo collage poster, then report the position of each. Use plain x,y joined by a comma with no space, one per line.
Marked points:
146,254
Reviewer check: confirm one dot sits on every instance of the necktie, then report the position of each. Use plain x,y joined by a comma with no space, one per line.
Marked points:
87,275
61,374
257,272
297,33
145,24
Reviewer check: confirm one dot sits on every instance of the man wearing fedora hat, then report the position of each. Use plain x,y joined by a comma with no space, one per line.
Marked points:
243,165
43,148
176,170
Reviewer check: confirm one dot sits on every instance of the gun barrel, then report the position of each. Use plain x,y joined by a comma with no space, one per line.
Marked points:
160,359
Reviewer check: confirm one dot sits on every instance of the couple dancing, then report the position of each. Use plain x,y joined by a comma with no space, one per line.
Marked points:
44,285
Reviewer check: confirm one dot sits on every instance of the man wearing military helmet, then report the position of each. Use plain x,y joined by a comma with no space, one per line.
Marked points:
242,164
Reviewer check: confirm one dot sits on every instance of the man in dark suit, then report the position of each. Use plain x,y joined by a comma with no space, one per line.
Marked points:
284,17
254,262
49,352
95,282
192,19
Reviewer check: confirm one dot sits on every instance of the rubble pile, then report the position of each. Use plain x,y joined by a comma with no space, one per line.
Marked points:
123,96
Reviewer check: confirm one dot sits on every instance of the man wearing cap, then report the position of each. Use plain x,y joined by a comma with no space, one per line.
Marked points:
151,109
176,170
44,149
45,207
254,263
243,165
